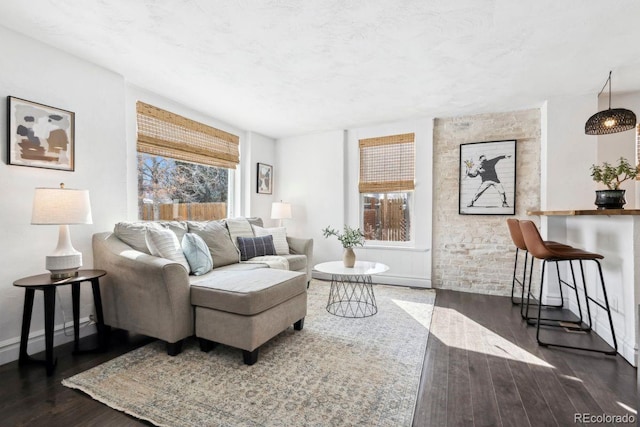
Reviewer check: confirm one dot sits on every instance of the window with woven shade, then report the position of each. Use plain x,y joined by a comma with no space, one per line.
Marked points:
183,166
387,181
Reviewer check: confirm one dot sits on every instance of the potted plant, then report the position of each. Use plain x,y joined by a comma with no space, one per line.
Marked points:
612,176
349,238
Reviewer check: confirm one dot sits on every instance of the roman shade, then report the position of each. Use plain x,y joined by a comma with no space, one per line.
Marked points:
166,134
387,164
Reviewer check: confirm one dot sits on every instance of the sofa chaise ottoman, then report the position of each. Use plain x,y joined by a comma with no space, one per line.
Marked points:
244,310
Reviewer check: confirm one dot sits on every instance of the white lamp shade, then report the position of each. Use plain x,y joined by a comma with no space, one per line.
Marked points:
280,210
61,206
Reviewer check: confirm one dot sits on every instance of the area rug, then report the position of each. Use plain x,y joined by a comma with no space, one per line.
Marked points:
335,372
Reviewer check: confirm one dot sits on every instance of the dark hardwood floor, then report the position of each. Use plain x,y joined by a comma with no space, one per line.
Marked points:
483,367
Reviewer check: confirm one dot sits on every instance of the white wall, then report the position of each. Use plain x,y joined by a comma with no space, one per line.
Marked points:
260,149
311,176
40,73
567,154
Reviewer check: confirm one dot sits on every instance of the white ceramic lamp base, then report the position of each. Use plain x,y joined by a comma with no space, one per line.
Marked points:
63,266
65,260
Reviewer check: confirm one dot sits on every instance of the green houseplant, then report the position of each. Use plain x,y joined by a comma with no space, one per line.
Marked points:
612,176
349,238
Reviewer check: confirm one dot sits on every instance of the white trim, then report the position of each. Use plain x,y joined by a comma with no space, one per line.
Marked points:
10,348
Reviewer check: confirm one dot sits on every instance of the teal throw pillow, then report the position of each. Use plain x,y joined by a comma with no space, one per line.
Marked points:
197,254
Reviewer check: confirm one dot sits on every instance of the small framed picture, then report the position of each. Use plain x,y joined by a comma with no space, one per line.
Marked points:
487,178
39,135
265,179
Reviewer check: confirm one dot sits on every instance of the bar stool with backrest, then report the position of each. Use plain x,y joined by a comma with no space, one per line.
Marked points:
548,253
513,225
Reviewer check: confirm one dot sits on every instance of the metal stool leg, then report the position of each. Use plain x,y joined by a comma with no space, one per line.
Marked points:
608,308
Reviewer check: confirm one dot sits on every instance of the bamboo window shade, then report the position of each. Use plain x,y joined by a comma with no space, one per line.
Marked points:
387,164
166,134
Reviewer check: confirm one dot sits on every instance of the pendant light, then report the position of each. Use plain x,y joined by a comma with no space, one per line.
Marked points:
611,120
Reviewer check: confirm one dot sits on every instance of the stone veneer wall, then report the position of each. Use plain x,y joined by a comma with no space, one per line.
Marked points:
474,253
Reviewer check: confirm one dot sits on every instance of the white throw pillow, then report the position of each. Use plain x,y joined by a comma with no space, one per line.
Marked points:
279,238
164,243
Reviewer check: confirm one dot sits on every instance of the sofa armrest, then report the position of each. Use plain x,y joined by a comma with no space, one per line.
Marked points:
301,246
142,293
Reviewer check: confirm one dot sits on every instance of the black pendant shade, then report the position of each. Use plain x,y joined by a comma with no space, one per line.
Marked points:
610,121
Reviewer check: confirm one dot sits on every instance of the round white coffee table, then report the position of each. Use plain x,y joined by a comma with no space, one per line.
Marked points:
351,293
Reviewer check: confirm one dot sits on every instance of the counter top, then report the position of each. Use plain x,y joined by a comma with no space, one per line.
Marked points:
607,212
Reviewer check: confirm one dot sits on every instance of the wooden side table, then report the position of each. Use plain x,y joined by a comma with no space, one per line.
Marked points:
43,282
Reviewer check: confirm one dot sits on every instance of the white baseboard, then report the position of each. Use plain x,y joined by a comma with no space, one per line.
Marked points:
386,279
10,348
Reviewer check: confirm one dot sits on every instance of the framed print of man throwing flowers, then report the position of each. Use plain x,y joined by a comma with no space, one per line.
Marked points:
487,178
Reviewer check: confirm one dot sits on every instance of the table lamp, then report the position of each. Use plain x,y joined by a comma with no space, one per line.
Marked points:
280,211
63,207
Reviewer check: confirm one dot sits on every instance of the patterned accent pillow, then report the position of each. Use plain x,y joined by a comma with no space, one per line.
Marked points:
164,244
251,247
279,238
197,253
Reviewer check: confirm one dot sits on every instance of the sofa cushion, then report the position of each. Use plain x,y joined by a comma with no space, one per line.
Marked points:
279,238
197,254
178,227
239,227
296,262
251,247
134,234
216,236
164,244
254,220
223,270
247,292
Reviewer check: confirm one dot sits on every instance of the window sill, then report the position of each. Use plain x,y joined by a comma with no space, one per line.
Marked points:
396,248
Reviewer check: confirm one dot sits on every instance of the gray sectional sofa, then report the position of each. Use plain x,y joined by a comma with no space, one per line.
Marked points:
238,303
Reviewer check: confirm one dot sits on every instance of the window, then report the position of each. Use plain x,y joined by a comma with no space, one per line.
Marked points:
387,174
183,167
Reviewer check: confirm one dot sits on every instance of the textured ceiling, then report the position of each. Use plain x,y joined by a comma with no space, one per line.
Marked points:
287,67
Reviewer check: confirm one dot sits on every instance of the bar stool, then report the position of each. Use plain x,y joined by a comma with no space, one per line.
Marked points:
516,236
548,253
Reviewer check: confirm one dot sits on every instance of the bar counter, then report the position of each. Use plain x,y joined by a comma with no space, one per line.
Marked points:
607,212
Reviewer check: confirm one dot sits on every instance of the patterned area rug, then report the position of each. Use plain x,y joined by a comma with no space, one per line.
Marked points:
336,371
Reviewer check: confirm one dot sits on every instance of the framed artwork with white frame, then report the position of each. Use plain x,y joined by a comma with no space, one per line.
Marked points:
487,178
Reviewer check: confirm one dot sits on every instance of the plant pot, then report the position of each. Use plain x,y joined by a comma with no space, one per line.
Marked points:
610,199
349,258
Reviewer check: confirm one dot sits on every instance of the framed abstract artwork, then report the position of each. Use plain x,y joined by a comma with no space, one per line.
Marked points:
265,179
487,178
39,135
